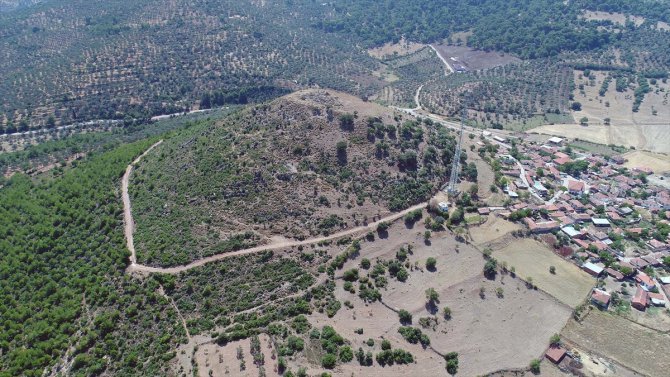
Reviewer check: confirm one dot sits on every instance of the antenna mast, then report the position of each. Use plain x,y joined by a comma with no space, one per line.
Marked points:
456,163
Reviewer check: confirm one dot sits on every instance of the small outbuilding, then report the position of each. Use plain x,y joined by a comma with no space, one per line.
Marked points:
555,354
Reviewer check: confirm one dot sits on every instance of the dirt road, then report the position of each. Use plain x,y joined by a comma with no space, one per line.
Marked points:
446,63
128,224
273,246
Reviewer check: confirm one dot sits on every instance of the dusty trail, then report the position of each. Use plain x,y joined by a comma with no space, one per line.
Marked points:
446,63
274,246
128,224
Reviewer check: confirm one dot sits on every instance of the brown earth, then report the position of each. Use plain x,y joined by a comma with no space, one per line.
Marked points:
495,227
474,59
489,334
214,360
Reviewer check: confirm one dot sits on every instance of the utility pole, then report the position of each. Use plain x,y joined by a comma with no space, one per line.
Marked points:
456,163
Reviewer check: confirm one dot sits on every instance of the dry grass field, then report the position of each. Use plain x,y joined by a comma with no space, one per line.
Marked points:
616,18
569,284
489,333
657,162
214,360
395,49
647,129
494,228
474,59
626,342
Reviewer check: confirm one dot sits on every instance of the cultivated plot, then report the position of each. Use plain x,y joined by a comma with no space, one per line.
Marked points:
568,284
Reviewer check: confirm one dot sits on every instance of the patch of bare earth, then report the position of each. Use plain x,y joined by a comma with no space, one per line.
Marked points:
473,59
494,228
214,360
627,343
490,333
614,17
401,48
657,162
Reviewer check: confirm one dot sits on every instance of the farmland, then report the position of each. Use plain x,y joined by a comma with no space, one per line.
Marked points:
568,284
623,341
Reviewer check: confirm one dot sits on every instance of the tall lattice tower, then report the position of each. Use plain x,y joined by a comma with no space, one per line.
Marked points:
456,163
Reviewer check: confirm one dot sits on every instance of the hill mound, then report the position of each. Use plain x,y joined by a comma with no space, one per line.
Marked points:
309,163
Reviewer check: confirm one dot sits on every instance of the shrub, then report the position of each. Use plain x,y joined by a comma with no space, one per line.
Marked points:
535,366
386,345
346,354
431,263
328,361
405,316
452,362
446,311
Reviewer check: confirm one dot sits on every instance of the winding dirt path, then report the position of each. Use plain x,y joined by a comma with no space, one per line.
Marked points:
129,229
128,224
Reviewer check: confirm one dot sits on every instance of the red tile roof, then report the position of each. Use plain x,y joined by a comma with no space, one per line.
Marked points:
575,186
555,354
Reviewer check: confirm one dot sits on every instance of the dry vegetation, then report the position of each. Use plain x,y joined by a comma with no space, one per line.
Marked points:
570,285
657,162
474,60
494,228
310,163
511,329
626,342
393,50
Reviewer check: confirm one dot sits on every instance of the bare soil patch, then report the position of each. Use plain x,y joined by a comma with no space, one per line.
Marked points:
489,333
570,285
391,50
215,360
645,129
627,343
473,60
615,17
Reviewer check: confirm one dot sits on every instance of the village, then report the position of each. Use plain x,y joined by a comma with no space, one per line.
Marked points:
608,220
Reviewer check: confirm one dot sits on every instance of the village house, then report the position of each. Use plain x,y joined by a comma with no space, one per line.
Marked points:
576,187
592,269
646,282
641,299
600,298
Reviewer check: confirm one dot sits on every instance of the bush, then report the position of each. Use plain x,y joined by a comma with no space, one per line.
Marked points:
386,345
446,311
328,361
490,268
365,263
405,316
452,362
535,366
346,354
350,275
431,263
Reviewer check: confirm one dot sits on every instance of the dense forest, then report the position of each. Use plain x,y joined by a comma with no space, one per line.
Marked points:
63,293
